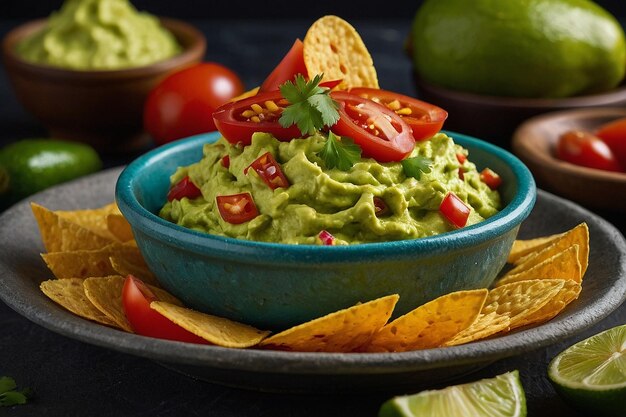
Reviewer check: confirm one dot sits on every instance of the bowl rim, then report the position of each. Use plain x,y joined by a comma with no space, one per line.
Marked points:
178,28
549,161
213,245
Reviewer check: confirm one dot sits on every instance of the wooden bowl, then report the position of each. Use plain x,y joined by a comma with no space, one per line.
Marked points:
535,140
103,108
494,119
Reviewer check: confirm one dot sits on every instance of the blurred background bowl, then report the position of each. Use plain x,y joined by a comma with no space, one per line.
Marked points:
495,119
103,108
274,285
535,141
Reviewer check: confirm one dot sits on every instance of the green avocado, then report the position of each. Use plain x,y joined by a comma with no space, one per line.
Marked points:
518,48
31,165
319,198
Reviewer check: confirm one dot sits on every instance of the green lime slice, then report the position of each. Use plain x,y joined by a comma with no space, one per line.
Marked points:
592,373
502,396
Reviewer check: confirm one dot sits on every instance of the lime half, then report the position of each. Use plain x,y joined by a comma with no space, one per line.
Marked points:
592,373
502,396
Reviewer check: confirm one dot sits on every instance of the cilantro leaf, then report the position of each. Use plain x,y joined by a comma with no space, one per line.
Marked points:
340,152
413,167
7,384
8,395
310,108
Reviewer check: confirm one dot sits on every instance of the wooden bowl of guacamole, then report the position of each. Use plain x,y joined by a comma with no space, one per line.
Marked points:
91,87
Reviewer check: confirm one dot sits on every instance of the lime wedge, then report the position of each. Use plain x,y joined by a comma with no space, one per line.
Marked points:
592,373
502,396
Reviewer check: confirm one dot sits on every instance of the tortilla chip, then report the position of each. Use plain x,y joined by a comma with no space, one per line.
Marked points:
216,330
520,299
89,263
342,331
124,267
70,294
431,324
578,235
119,227
334,48
567,294
484,326
94,220
49,228
563,265
105,293
522,248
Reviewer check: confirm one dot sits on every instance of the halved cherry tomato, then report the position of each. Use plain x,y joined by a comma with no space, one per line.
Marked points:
326,238
380,207
614,135
584,149
491,178
269,171
424,118
136,299
184,188
237,208
378,130
237,121
291,65
454,209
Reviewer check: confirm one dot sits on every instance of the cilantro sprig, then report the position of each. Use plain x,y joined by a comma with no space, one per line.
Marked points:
413,167
311,107
340,152
9,396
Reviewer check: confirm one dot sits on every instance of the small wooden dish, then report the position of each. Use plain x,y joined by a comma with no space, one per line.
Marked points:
535,140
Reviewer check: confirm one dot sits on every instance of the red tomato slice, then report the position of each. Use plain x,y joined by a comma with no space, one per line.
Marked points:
454,209
184,188
291,65
614,135
326,238
491,178
136,299
237,208
380,132
239,120
269,171
584,149
424,118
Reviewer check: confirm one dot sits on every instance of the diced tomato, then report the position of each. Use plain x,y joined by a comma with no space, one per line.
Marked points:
461,158
136,299
378,130
461,174
225,161
425,119
381,208
491,178
184,188
584,149
326,238
239,120
237,208
269,171
614,135
455,210
291,65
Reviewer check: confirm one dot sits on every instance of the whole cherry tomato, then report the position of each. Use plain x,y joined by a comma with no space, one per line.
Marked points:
584,149
183,103
614,135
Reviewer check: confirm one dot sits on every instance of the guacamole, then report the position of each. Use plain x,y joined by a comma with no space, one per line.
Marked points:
319,199
99,35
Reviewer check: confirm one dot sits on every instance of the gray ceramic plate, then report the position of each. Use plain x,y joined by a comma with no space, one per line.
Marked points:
21,271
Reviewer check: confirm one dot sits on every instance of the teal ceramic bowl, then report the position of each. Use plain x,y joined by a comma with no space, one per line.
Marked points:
274,286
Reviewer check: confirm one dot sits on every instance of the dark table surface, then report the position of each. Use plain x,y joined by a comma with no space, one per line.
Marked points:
70,378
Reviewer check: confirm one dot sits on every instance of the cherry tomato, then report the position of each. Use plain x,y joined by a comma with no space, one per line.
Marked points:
225,161
239,120
614,135
584,149
424,118
136,299
454,209
184,188
380,207
461,158
181,105
326,238
491,178
237,208
291,65
378,130
269,171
